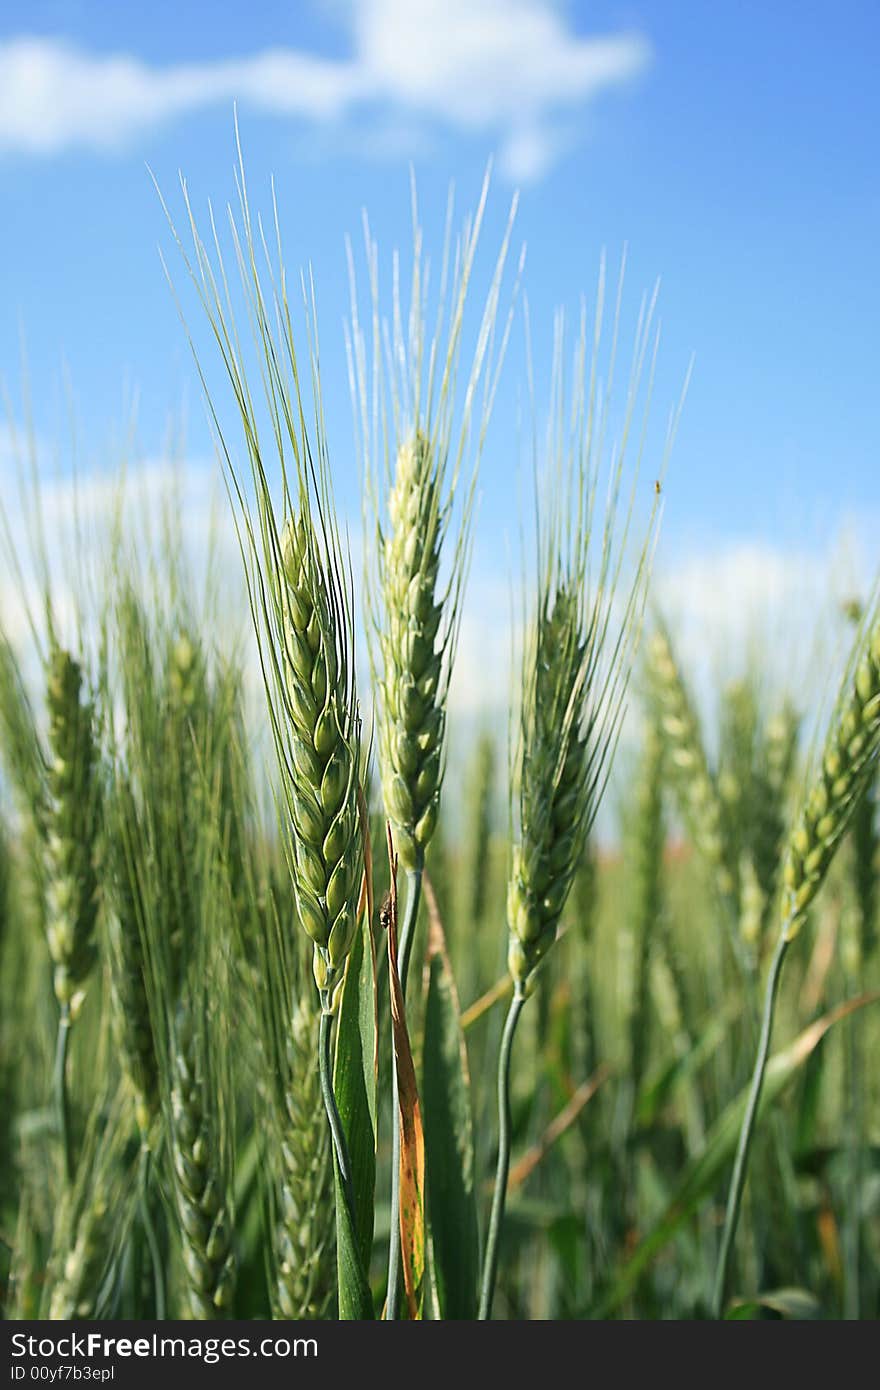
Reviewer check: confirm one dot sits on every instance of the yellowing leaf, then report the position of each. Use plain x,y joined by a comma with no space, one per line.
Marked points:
412,1138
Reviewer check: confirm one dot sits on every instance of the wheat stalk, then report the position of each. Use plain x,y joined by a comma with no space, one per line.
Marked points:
299,589
413,434
649,840
849,761
580,637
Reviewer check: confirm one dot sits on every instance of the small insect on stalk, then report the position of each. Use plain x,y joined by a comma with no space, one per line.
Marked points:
420,507
849,761
299,587
580,633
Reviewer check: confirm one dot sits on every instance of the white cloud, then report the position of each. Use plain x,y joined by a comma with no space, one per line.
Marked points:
511,70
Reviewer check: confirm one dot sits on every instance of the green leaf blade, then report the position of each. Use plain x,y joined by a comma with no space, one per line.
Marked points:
354,1085
449,1150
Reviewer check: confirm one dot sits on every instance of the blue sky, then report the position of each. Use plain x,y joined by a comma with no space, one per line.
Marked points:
732,146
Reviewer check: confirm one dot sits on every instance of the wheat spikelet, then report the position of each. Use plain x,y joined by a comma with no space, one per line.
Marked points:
412,464
127,965
700,799
865,838
91,1223
26,1270
577,651
866,869
182,789
19,741
412,691
554,785
649,839
305,1269
576,662
205,1224
736,763
582,911
22,757
774,761
76,1291
479,838
848,762
298,590
323,729
71,831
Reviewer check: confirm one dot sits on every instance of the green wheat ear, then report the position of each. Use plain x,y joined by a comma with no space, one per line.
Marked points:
206,1223
696,786
581,630
71,831
305,1247
412,729
413,449
580,637
128,965
323,746
849,759
298,579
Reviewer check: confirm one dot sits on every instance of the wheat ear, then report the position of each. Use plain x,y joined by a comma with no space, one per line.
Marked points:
299,588
70,859
205,1224
127,964
849,761
420,510
581,631
305,1253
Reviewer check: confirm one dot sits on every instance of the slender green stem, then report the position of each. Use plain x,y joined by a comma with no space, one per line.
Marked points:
338,1134
499,1196
855,1141
404,951
62,1102
740,1165
150,1233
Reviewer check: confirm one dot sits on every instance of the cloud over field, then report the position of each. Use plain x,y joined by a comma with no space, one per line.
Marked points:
512,71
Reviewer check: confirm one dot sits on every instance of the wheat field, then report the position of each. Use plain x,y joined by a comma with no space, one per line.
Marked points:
303,1017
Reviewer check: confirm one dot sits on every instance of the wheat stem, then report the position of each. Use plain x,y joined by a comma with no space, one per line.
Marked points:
404,952
149,1228
499,1195
740,1166
62,1100
333,1117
